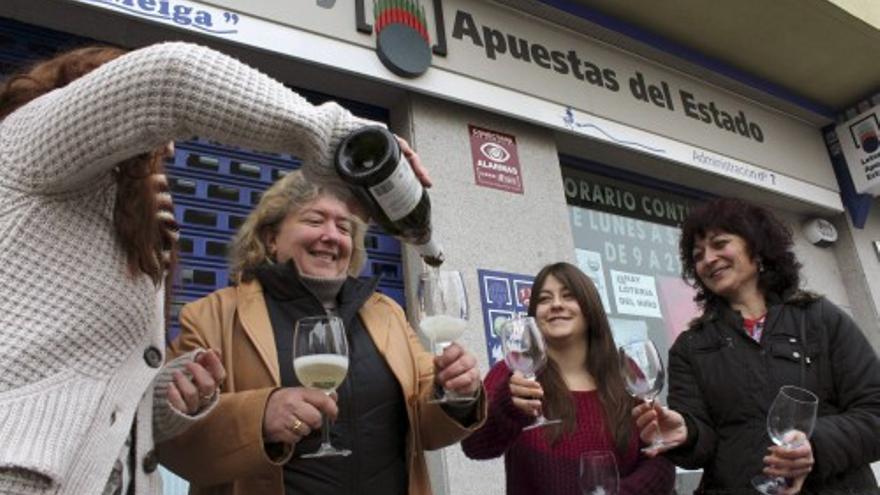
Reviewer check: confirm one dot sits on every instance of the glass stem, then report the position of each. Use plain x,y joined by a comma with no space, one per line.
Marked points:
325,433
657,439
533,377
439,347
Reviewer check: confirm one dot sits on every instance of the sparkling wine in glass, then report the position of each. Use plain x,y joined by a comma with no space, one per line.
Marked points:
320,361
790,423
598,473
643,375
526,352
443,315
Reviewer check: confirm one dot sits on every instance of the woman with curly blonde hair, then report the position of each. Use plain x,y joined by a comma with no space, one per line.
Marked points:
297,255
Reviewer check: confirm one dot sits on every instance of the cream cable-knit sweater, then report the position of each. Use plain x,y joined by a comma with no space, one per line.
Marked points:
74,326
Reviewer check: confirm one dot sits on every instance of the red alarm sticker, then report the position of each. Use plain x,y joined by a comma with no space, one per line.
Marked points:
495,159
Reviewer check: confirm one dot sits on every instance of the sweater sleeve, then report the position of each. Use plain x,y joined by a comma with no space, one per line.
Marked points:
851,437
154,95
685,398
168,422
651,476
228,443
23,481
504,422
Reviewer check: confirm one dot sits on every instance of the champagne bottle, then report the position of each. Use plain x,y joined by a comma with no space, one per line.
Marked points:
370,161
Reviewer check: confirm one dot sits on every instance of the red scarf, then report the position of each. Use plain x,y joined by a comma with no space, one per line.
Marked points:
755,327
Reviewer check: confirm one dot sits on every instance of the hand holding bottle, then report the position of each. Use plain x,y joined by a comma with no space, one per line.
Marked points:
415,162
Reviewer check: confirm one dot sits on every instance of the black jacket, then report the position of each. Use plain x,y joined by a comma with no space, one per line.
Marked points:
723,383
372,420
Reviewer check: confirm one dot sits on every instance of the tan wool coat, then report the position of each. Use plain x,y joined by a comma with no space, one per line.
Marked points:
225,453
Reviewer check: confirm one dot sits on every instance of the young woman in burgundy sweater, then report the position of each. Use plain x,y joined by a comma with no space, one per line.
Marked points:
581,385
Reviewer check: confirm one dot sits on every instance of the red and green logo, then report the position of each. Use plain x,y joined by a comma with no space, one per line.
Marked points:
402,40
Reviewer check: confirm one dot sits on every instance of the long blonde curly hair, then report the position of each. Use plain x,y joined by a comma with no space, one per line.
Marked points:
288,195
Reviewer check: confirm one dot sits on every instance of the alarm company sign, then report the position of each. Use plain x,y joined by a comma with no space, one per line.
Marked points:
496,162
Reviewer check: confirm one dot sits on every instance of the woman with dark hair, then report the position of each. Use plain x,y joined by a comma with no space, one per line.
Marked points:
86,227
758,332
581,385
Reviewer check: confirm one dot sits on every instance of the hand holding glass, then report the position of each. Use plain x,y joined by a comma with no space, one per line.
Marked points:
643,375
320,361
790,422
443,314
526,352
598,473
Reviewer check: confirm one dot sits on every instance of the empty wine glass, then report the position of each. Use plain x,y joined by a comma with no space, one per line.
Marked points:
320,361
790,423
643,375
526,352
598,473
443,315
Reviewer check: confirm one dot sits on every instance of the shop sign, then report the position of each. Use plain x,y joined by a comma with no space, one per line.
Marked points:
181,13
502,295
495,159
860,143
505,61
620,198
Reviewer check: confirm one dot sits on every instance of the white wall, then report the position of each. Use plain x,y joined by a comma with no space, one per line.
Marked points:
860,269
483,228
821,272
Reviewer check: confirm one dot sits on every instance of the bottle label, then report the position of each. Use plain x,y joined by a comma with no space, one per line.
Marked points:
400,193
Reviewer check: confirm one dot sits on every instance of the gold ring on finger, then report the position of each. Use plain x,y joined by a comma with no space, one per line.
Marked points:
297,424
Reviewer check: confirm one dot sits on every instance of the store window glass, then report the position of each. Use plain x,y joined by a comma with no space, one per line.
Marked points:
626,239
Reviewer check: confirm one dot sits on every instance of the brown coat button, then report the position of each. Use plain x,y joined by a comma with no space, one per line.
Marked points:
151,462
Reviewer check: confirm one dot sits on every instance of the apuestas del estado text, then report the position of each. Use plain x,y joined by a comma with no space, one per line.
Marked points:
496,42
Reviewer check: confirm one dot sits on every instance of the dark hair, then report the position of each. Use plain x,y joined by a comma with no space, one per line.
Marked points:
767,239
135,211
601,360
56,72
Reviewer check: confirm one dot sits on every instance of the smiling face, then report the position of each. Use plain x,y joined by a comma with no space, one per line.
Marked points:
558,313
317,237
724,265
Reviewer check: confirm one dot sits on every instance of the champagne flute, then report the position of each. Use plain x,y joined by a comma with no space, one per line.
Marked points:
598,473
320,361
643,375
526,352
790,423
443,315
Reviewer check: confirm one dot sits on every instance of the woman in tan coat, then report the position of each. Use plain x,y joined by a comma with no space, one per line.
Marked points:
297,255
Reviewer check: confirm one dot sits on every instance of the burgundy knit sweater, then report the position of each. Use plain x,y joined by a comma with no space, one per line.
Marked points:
533,466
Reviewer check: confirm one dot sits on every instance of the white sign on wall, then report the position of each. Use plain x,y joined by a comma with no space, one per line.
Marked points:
590,262
635,294
860,142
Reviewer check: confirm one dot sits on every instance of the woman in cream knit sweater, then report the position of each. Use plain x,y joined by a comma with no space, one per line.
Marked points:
83,391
